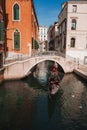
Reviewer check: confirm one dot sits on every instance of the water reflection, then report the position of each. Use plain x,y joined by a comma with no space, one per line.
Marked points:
42,72
16,105
24,105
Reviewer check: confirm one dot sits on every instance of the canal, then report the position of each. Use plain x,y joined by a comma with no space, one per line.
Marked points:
25,105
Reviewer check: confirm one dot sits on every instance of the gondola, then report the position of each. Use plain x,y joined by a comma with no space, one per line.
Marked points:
53,89
53,82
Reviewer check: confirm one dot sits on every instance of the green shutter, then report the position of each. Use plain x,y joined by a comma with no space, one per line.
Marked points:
36,45
2,34
16,41
1,60
16,12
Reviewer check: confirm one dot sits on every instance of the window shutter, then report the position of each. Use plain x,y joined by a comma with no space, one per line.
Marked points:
16,41
1,60
2,34
16,12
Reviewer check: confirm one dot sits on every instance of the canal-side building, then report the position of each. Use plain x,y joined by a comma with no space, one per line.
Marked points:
43,46
42,38
53,37
50,38
2,38
42,33
22,27
73,30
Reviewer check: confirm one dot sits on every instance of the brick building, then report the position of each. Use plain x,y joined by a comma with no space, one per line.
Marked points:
22,27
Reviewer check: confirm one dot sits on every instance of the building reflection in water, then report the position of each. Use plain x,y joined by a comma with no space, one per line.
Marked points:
24,104
17,106
42,73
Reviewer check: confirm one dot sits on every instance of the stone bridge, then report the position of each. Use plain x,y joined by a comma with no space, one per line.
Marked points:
20,69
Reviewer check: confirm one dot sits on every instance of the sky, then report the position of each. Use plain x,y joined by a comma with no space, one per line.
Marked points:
47,11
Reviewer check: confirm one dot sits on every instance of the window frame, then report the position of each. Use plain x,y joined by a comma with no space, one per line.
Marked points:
74,8
73,24
13,12
72,42
15,48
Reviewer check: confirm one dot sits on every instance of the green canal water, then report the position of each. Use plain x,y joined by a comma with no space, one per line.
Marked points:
25,105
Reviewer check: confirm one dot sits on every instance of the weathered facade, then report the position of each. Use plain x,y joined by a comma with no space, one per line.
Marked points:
53,37
22,27
73,30
42,33
42,38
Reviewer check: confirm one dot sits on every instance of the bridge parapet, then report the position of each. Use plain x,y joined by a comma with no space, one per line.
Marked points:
20,69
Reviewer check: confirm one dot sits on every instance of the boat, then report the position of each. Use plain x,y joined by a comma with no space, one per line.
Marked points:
53,81
53,89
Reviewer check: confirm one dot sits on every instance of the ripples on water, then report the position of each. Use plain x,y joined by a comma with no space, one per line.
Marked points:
25,105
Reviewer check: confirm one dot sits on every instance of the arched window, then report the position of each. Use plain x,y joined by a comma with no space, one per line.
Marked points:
72,42
73,24
16,12
16,40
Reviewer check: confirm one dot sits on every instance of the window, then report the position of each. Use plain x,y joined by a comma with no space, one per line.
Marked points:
1,60
32,43
60,30
74,9
16,40
72,42
2,34
16,12
73,24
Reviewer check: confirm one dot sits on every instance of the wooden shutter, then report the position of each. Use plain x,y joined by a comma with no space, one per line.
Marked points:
17,40
2,34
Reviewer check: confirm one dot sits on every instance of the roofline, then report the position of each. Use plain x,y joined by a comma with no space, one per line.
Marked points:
35,12
63,8
77,2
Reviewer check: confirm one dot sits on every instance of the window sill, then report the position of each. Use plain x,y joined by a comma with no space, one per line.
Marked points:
16,49
16,20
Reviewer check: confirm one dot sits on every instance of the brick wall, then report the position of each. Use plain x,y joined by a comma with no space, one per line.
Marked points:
26,26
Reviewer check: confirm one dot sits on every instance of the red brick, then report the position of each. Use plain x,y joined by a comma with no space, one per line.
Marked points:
26,25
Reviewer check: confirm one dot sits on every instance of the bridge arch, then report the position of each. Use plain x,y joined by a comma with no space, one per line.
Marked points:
23,67
42,60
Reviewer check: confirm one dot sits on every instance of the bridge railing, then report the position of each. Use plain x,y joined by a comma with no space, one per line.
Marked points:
79,63
16,58
20,57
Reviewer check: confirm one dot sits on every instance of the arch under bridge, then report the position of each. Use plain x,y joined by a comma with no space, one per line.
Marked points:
20,69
